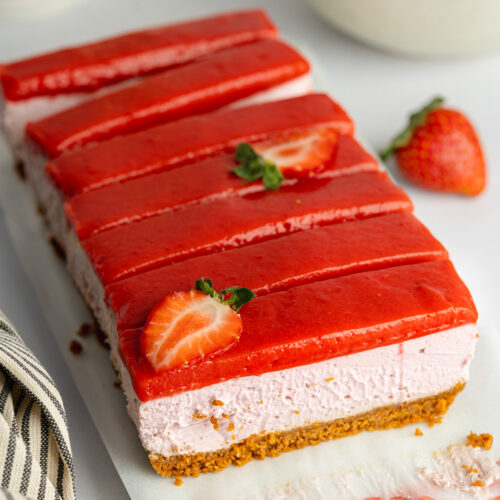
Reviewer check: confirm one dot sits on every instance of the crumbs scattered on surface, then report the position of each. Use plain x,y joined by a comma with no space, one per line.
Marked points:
478,483
418,432
217,402
178,481
215,423
198,415
75,347
225,415
230,427
480,441
296,412
329,379
85,330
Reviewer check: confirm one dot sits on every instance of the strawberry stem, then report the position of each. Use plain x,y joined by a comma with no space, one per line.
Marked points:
253,166
416,119
235,296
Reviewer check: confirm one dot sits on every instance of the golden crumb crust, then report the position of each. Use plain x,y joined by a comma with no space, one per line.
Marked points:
273,444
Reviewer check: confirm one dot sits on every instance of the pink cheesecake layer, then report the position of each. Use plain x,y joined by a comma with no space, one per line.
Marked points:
190,139
209,179
282,263
88,67
200,229
200,86
322,320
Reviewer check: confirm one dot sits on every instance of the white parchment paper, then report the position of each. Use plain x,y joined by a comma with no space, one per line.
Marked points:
381,464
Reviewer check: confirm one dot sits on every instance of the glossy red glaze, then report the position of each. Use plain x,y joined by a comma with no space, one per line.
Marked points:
318,321
87,67
236,221
200,86
95,211
281,263
189,139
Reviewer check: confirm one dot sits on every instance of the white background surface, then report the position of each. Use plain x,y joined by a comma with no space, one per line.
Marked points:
377,89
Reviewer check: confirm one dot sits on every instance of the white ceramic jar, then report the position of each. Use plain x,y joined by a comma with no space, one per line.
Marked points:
424,28
19,10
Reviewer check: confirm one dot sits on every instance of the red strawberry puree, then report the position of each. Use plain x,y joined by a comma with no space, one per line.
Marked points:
221,224
189,139
331,318
201,86
281,263
121,203
91,66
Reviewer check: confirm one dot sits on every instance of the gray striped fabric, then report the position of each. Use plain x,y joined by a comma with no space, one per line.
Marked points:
35,452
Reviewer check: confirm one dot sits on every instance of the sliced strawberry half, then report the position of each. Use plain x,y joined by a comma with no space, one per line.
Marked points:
301,151
186,326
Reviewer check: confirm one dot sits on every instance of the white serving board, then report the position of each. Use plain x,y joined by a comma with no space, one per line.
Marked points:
371,464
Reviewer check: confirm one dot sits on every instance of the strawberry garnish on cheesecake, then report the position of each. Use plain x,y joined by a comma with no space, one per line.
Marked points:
301,152
440,150
290,155
186,326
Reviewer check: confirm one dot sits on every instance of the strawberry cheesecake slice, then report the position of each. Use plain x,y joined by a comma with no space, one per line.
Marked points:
209,179
42,85
263,70
208,386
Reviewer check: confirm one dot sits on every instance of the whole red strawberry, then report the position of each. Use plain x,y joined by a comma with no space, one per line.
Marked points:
440,150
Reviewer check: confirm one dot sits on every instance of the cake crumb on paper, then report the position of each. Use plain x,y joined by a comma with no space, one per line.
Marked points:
217,402
178,481
85,330
480,440
418,432
75,347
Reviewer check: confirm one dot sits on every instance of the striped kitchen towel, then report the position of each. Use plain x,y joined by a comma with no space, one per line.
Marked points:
35,452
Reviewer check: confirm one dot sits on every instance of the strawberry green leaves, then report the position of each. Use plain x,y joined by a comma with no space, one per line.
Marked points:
253,166
235,297
416,119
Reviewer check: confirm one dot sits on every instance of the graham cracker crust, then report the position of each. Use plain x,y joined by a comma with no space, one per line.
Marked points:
428,409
